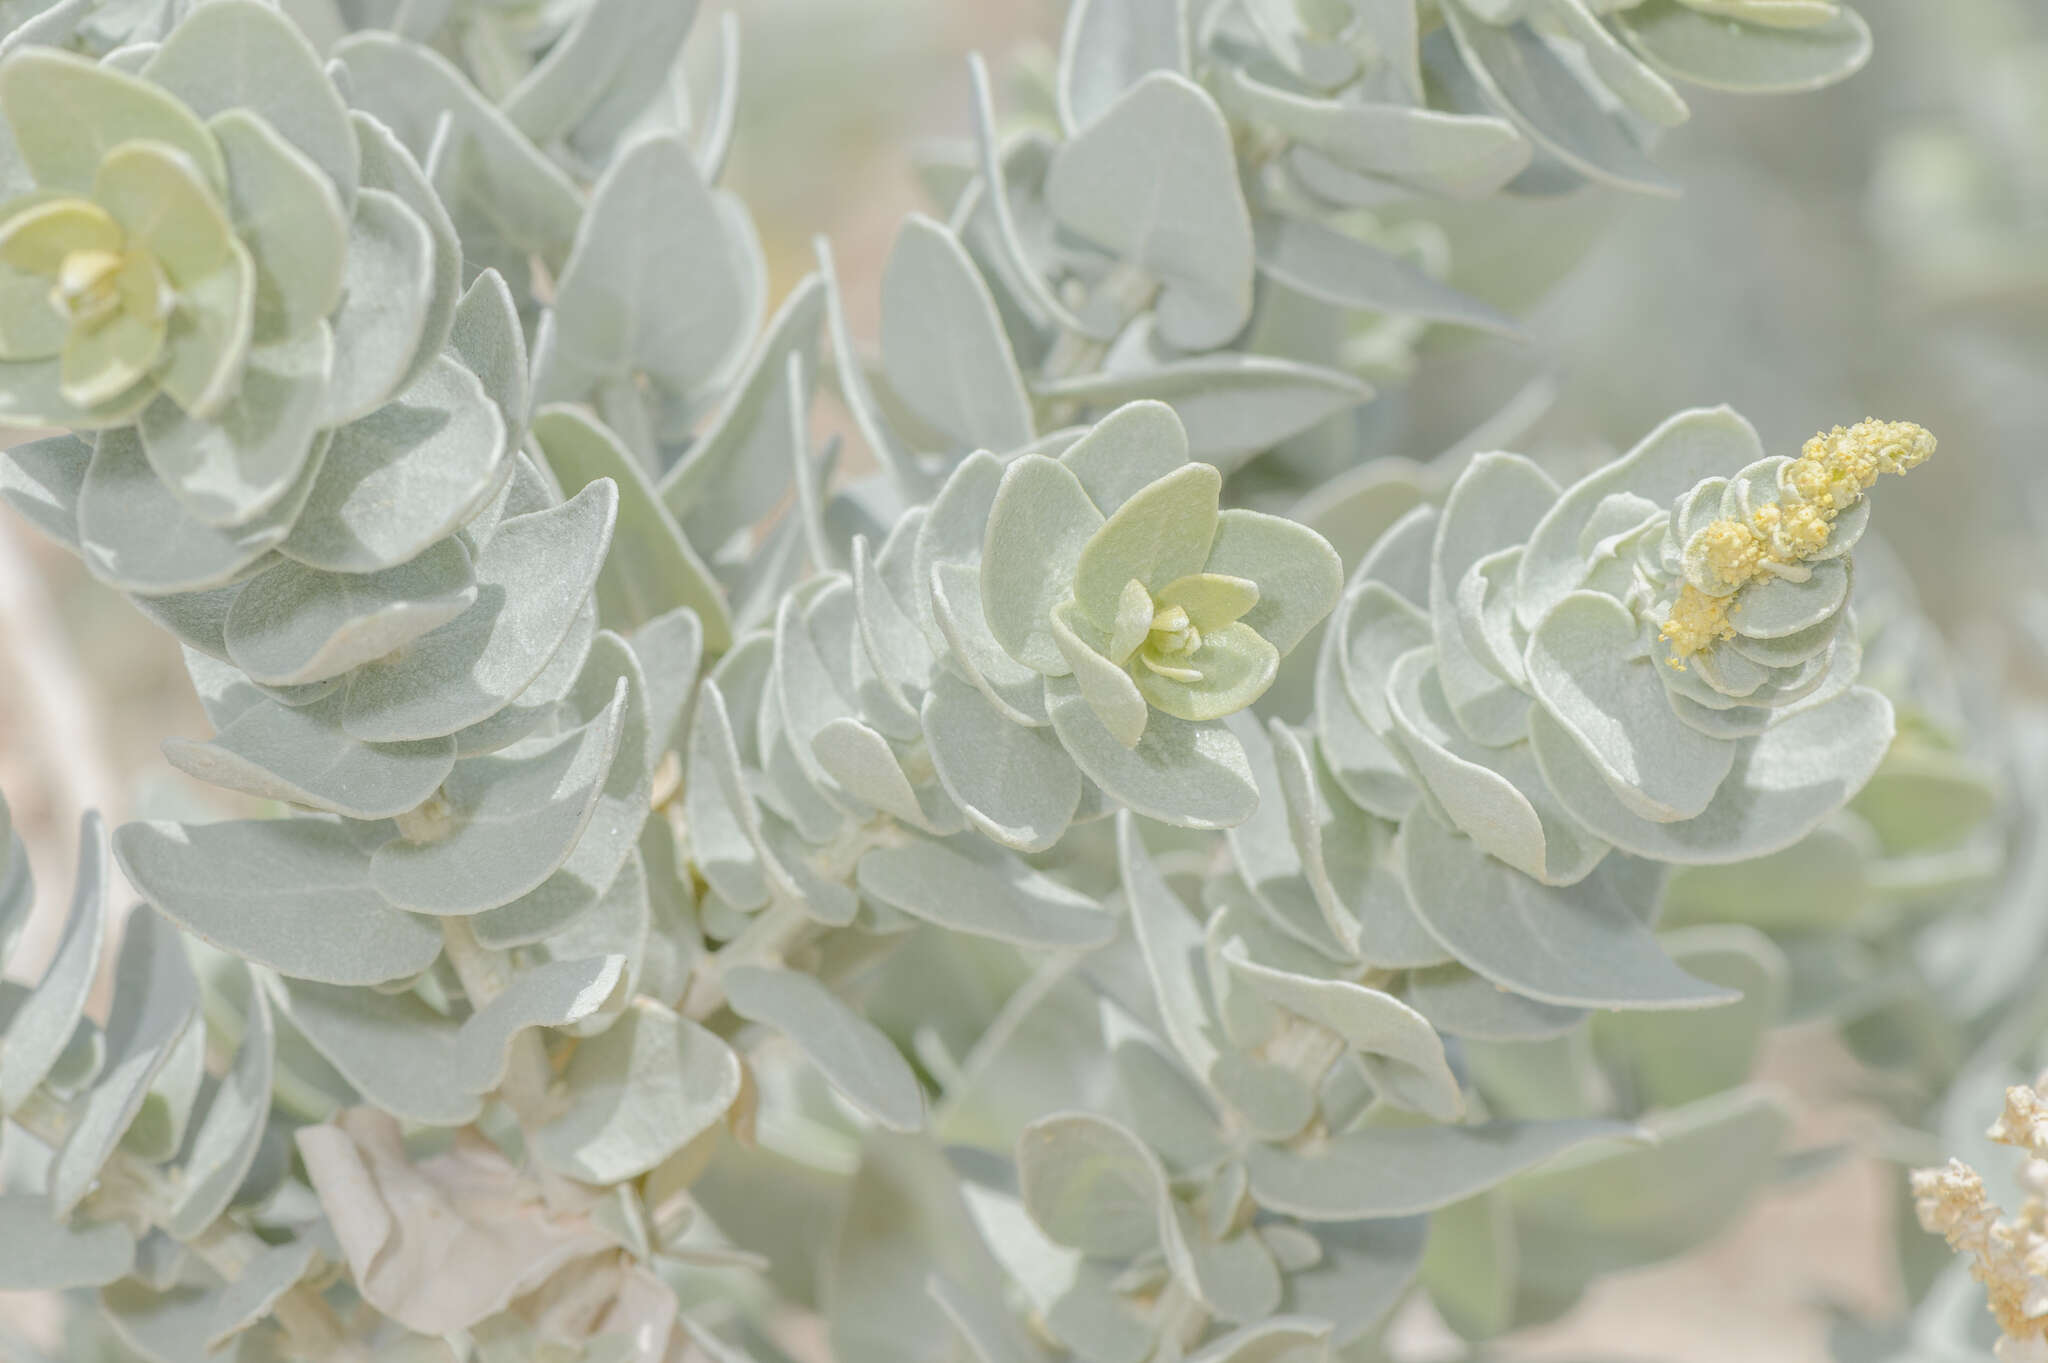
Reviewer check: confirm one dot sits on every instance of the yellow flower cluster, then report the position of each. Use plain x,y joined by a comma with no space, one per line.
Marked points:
2009,1256
1831,474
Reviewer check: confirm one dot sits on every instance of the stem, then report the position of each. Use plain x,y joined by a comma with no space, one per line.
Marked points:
485,974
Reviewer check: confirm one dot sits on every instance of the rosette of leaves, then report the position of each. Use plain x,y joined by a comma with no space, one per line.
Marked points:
216,263
1497,682
1589,81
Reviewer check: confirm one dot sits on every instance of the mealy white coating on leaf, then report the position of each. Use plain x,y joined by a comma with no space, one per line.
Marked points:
1154,179
636,1094
1399,1171
532,579
37,1032
403,477
40,1253
301,755
986,892
1588,945
504,823
155,1000
943,349
854,1055
292,894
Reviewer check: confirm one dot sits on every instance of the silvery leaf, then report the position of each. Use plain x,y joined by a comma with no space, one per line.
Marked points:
1750,58
1775,794
1009,246
231,468
657,283
636,1094
291,624
1459,1003
1154,180
1522,77
1106,47
724,826
651,569
241,55
387,295
862,763
137,536
1280,1340
1127,451
1282,874
500,187
1037,527
550,994
42,1023
1091,1185
398,1052
1460,156
292,894
1402,1170
1183,773
1362,1271
1298,573
1171,942
389,166
532,579
1233,406
42,479
990,1328
1169,1112
301,755
1408,1054
737,470
158,1128
1705,1162
1586,946
486,337
601,73
41,1253
536,705
670,649
1670,1061
943,348
1496,501
1662,467
1613,708
251,1296
1323,263
403,477
1234,1276
504,823
1015,784
966,887
225,1146
291,218
1639,88
1817,885
155,1000
852,1053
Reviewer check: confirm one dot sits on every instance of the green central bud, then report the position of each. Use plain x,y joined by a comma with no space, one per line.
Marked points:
88,286
1172,634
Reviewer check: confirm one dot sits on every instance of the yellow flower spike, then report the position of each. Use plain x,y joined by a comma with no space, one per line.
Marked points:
1833,471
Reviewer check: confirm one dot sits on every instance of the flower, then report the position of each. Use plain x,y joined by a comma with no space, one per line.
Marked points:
2008,1255
1777,539
1147,593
